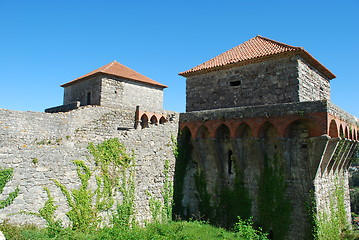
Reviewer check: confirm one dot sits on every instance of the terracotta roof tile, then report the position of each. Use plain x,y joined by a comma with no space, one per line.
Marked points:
254,49
117,69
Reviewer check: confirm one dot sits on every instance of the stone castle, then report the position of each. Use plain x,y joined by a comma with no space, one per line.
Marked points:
259,138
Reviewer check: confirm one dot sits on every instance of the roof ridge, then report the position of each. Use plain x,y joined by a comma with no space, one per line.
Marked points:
109,65
257,48
117,69
276,42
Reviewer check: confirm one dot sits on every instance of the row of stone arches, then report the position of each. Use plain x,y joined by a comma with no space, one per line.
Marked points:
299,128
145,121
342,131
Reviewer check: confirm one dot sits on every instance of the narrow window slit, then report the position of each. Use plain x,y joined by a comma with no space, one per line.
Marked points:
230,162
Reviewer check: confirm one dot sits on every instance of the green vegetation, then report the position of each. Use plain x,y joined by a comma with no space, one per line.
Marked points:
206,209
243,230
5,177
354,187
114,173
334,225
182,151
47,212
35,161
274,207
246,230
83,214
231,204
235,202
161,211
117,174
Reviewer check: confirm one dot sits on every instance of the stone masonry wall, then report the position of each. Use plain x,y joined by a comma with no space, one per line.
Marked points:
313,86
273,81
41,146
119,93
80,90
271,160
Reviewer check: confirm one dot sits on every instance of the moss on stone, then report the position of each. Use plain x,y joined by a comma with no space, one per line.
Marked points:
234,202
182,152
273,204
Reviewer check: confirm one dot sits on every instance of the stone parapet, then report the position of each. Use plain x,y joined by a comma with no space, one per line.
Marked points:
317,114
271,110
64,108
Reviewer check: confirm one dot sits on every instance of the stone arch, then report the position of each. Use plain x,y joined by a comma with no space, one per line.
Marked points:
351,134
341,131
185,134
202,132
153,119
243,131
333,129
144,121
346,133
268,134
298,129
225,153
223,132
267,130
162,120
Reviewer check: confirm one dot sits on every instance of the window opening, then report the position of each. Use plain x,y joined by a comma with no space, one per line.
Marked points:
235,83
162,120
230,162
89,98
144,121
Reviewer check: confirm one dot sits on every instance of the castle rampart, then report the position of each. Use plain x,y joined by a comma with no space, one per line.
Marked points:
42,146
261,138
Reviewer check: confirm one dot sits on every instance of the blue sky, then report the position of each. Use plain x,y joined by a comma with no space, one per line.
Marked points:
44,44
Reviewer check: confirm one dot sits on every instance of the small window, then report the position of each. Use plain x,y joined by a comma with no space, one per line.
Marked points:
230,162
89,98
235,83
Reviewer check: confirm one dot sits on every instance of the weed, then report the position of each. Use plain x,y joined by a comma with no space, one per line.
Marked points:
35,161
5,177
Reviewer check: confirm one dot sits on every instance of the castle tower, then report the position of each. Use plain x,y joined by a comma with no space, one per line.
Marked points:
261,138
259,71
113,85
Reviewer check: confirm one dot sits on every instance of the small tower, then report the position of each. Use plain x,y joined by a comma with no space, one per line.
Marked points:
261,139
113,85
257,72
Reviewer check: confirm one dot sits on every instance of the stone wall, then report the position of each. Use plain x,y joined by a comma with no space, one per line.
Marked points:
120,93
279,80
269,178
80,90
273,81
114,92
313,86
41,146
267,161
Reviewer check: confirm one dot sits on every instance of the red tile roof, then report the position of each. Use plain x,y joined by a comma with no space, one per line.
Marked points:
256,49
117,69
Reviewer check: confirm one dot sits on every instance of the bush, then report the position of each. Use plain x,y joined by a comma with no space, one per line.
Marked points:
246,230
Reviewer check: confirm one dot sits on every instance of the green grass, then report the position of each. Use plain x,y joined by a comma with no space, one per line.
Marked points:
181,230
